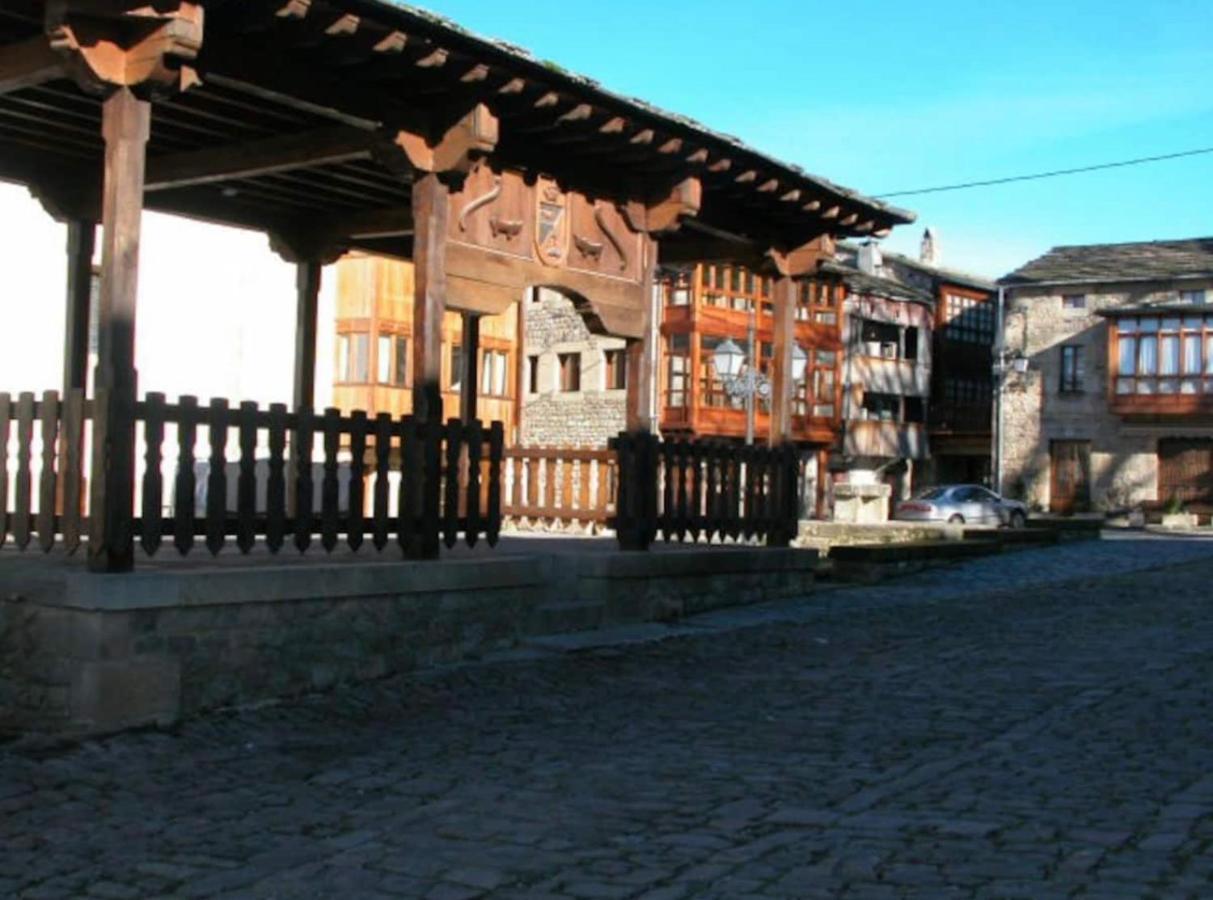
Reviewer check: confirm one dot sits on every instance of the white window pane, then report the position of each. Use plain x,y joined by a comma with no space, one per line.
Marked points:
1170,356
1128,356
383,360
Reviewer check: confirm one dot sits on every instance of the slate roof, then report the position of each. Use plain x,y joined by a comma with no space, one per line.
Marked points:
584,85
951,276
862,283
1146,260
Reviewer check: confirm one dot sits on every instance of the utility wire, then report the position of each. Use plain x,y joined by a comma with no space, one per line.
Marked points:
1054,174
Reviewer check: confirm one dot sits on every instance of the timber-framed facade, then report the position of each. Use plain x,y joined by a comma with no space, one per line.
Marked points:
339,125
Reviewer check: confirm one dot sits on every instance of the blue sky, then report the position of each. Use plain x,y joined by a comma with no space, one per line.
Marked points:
890,95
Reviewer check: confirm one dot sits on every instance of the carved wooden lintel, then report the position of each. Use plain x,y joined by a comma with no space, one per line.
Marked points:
147,47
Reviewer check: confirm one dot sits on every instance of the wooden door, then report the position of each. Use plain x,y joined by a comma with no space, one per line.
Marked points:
1071,483
1185,470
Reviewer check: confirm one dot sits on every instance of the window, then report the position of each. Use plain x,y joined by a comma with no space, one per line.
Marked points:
916,409
494,374
1164,355
401,360
881,407
616,370
968,319
383,359
1192,298
881,339
353,362
570,372
1074,301
532,374
455,361
678,367
1071,369
911,341
823,380
711,387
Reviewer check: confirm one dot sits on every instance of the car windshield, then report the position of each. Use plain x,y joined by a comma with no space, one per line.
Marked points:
933,494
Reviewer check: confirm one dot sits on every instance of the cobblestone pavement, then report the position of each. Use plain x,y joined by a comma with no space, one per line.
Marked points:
1034,726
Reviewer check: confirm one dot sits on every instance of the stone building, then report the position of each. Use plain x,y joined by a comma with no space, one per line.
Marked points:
1114,406
575,382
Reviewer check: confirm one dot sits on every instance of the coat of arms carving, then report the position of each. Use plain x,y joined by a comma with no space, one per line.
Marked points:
551,222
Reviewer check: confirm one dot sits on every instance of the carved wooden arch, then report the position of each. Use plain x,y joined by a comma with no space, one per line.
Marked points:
507,232
584,307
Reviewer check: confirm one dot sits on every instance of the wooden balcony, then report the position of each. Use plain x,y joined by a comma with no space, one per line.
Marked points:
891,440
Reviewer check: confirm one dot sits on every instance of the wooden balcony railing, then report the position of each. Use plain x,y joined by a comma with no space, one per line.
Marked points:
559,486
417,483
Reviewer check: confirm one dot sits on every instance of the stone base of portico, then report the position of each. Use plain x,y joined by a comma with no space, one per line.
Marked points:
82,654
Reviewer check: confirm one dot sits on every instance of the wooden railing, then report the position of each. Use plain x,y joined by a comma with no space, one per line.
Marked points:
559,486
704,491
418,483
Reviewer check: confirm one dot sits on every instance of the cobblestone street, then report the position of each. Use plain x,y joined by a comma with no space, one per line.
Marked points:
1034,725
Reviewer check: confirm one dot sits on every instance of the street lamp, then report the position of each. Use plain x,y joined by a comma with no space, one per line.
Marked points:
743,381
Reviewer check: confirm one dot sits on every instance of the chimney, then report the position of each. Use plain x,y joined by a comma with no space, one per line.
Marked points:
929,252
869,258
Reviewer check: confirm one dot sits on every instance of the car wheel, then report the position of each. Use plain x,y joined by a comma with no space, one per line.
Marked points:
1018,520
957,519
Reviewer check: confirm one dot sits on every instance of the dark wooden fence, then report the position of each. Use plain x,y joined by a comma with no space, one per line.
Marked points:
377,480
705,491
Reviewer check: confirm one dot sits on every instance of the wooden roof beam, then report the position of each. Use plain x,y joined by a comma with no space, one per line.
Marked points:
849,220
29,63
258,158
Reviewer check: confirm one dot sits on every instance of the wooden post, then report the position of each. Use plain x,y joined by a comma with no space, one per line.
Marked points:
781,375
307,288
640,353
471,367
81,240
125,124
430,212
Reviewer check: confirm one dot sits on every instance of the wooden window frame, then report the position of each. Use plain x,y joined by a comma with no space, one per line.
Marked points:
1072,373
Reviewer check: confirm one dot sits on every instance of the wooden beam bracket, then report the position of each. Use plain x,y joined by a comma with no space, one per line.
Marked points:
459,147
148,48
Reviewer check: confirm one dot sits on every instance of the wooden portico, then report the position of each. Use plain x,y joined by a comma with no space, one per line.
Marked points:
337,125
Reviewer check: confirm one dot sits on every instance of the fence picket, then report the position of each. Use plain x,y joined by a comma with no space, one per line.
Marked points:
475,441
186,480
432,493
47,481
329,486
275,487
383,468
152,531
412,475
669,503
496,452
450,518
246,481
6,414
301,455
356,495
216,479
682,467
24,486
71,451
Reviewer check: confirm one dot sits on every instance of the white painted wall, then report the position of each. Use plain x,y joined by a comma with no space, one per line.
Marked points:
216,309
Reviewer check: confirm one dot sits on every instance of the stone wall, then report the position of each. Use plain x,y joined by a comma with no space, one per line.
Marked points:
554,418
1124,462
84,654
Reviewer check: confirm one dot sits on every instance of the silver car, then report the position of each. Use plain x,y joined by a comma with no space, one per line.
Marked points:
963,504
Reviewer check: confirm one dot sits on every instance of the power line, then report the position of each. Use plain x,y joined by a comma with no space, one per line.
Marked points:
1055,174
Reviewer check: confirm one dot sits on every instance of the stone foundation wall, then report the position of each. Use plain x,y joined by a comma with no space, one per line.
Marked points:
83,654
